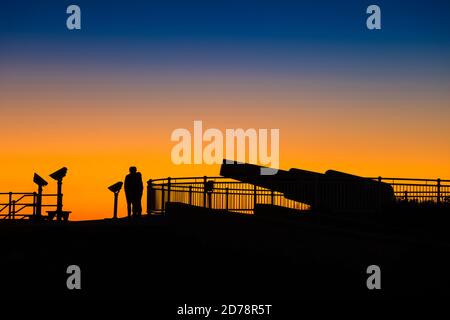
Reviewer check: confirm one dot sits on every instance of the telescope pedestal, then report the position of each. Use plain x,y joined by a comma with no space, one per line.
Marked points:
59,212
116,194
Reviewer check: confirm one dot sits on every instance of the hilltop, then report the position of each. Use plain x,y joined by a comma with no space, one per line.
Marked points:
201,253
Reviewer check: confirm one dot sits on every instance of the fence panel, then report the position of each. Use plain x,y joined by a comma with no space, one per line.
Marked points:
232,195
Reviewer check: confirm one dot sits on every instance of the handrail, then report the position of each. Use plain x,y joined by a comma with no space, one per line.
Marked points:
410,179
24,193
371,178
16,206
189,178
192,190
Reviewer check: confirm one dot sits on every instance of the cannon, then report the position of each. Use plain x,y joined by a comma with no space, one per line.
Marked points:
332,191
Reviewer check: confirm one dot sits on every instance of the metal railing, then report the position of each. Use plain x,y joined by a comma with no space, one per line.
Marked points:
21,205
420,190
232,195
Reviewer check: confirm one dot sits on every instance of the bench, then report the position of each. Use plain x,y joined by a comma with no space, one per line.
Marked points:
60,215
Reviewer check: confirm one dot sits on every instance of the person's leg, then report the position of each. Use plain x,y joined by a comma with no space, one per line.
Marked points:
129,208
135,208
139,207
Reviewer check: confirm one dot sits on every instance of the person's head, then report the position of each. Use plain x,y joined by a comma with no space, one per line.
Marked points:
133,169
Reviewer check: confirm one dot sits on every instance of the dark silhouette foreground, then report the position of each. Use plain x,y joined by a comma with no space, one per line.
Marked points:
199,253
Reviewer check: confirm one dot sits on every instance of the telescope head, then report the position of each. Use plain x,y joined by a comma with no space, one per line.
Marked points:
39,180
116,187
58,175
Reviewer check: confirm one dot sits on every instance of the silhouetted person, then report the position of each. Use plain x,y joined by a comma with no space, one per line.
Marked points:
133,192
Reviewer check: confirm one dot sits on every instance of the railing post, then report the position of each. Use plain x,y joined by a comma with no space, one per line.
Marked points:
190,195
272,196
438,190
169,186
9,206
162,197
204,191
150,197
34,203
14,209
254,198
226,198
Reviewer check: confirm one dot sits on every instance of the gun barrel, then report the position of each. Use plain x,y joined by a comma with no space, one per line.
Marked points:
333,191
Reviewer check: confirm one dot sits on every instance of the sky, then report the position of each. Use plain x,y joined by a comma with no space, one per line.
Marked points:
108,96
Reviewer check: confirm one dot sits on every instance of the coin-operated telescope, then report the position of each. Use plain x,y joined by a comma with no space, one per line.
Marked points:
38,201
115,188
58,176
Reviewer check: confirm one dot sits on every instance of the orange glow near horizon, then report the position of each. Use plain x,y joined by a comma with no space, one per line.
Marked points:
99,131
